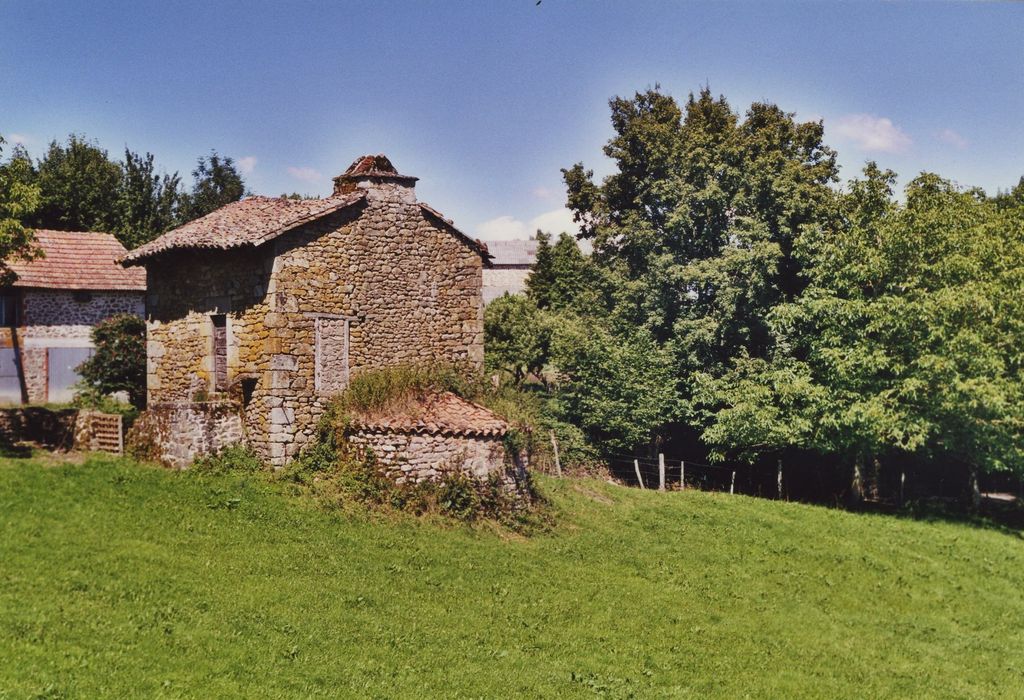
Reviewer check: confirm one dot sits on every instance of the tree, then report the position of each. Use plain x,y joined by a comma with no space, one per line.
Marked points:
561,277
119,360
906,339
216,183
19,198
79,187
696,231
517,337
147,203
619,389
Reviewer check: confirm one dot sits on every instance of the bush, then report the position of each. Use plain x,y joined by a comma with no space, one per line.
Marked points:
233,458
119,361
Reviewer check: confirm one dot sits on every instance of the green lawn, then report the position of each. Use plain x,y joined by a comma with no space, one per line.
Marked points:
118,580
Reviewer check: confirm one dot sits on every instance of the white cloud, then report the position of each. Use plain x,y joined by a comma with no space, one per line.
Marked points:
950,137
541,192
872,133
305,174
18,138
247,164
509,227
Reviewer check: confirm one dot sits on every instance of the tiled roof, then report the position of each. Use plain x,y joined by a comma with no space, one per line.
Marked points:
373,166
78,260
247,222
438,414
523,253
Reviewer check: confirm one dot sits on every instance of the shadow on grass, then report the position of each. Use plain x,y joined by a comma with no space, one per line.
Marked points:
1004,516
12,450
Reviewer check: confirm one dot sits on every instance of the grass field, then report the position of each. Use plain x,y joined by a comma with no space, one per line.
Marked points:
119,580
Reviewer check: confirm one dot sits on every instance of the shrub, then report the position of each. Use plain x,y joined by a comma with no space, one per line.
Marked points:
119,361
233,458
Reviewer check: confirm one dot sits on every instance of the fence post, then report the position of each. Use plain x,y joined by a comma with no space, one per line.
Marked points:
732,484
903,479
661,471
780,479
636,466
682,475
120,434
554,445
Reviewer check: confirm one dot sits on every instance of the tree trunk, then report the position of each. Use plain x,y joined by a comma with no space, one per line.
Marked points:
856,495
973,489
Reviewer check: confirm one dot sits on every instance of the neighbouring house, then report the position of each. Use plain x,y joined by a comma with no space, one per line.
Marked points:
510,267
439,434
49,311
274,303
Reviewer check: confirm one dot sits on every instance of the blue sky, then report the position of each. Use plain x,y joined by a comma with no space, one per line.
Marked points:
485,101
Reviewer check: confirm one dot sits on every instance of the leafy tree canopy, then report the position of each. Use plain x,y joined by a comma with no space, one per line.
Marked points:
19,198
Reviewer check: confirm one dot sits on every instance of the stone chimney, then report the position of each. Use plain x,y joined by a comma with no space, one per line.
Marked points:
378,177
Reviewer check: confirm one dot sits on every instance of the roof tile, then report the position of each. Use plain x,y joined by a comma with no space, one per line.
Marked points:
78,260
438,414
249,221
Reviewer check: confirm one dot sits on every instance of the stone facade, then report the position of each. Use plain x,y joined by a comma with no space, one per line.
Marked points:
381,282
53,318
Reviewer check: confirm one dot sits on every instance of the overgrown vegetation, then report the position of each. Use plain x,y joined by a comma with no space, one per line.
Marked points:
127,581
341,476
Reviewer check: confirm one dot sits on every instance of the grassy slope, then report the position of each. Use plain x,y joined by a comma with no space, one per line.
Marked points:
118,580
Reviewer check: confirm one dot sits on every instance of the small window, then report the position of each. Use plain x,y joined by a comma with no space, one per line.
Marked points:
82,297
220,351
8,309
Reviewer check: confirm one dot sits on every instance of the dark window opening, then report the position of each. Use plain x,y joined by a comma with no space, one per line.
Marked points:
220,351
82,297
8,309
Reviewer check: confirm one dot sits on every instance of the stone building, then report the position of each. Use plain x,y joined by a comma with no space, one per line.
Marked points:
511,263
47,314
275,303
438,434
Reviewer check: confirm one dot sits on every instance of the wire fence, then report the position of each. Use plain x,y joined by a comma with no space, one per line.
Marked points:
675,474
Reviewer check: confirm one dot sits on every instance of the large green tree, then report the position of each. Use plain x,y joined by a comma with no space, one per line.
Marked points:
148,202
79,186
19,198
216,182
907,339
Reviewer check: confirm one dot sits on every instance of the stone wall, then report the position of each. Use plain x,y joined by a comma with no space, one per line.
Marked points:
176,433
57,318
388,280
408,457
42,426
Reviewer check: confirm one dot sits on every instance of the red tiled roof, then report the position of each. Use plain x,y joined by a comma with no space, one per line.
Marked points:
248,222
439,414
78,260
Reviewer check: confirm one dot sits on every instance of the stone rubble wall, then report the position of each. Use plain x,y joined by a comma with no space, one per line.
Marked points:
414,457
175,434
49,428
